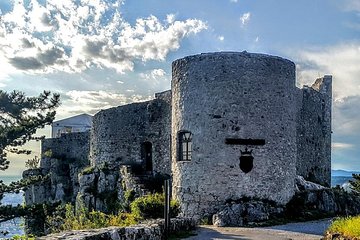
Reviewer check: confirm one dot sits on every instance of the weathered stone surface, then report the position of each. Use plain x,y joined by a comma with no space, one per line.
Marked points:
230,95
243,95
302,184
36,193
62,159
68,146
119,134
149,231
323,202
314,131
106,182
246,213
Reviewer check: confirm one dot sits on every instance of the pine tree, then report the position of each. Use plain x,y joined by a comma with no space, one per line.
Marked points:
355,184
20,117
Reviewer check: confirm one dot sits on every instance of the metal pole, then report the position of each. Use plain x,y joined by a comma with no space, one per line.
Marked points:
167,207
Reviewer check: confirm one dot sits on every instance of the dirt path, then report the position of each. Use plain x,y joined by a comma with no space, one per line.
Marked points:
294,231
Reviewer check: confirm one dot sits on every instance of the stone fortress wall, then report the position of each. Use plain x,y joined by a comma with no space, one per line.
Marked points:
236,106
132,133
314,132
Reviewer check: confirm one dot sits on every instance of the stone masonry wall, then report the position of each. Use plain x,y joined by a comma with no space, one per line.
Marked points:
69,146
233,95
118,134
159,113
314,132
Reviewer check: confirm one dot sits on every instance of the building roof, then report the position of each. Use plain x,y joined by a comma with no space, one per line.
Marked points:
82,119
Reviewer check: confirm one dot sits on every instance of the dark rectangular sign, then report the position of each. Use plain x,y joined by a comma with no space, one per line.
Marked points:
242,141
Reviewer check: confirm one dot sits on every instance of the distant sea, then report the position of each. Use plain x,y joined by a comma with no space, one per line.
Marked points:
16,225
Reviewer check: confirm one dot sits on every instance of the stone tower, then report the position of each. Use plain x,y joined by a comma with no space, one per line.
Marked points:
233,129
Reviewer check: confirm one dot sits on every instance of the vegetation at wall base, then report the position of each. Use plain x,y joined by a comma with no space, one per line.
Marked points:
347,228
23,237
87,170
65,217
152,206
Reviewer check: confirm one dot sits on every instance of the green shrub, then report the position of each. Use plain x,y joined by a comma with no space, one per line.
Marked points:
348,227
48,153
87,170
66,218
129,196
152,206
23,237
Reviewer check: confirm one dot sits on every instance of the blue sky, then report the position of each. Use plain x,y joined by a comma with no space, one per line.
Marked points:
98,54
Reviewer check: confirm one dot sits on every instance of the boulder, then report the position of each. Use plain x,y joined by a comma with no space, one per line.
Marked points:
301,184
246,212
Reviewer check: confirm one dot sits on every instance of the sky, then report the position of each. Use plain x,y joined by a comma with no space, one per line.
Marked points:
103,53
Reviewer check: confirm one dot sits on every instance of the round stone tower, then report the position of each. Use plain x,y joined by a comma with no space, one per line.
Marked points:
233,129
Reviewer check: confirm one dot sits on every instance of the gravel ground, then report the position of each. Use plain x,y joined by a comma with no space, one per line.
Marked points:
292,231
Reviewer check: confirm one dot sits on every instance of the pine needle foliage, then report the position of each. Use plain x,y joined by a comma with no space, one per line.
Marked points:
355,184
20,117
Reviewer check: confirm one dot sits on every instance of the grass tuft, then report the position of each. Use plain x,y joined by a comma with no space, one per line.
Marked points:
348,227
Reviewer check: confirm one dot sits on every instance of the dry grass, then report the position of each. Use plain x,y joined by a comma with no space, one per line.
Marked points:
349,226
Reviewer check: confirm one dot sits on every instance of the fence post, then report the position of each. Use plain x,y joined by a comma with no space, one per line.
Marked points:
167,190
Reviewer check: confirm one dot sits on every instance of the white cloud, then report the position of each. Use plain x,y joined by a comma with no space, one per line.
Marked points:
92,101
339,145
245,18
342,61
257,39
75,35
234,1
170,18
351,5
221,38
155,77
346,115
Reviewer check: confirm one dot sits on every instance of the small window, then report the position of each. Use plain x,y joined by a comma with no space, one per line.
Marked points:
184,145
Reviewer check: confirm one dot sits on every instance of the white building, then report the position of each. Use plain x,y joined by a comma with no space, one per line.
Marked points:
79,123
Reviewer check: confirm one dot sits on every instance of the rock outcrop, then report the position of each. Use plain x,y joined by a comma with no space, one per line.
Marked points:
62,160
312,203
152,230
323,202
247,212
302,184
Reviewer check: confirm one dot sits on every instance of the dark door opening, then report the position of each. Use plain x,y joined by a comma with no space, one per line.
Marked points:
146,155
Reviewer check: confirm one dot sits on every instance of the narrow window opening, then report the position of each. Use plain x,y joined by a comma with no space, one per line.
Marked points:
146,155
184,145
